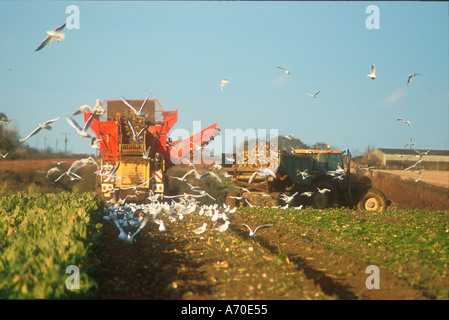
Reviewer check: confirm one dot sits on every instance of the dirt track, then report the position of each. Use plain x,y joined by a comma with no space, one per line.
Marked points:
179,265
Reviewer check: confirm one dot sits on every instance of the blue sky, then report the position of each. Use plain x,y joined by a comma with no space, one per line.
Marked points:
182,51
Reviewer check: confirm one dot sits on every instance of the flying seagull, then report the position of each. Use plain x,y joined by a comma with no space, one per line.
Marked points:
286,72
372,75
223,83
252,233
4,155
139,113
54,34
136,136
86,108
48,125
313,95
410,76
82,131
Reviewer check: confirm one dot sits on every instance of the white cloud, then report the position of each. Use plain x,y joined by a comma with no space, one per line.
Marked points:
395,97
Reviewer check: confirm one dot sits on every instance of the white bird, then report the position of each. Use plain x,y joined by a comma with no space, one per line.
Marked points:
410,76
4,155
82,131
48,125
52,170
86,108
162,227
263,172
304,173
54,34
146,155
253,233
137,136
200,229
407,123
288,199
249,203
368,168
313,95
307,194
286,72
372,75
324,190
244,189
129,239
410,144
139,113
224,226
414,165
223,83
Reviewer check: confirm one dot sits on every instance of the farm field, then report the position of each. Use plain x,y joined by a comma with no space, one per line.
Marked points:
308,254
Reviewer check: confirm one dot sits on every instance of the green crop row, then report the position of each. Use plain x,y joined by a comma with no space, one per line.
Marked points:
412,244
41,235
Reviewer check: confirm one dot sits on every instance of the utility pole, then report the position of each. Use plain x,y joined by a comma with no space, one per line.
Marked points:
65,143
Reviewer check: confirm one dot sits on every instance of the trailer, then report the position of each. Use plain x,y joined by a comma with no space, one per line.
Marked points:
318,178
135,167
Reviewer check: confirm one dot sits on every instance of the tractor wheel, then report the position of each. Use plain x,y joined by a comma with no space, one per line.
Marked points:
373,200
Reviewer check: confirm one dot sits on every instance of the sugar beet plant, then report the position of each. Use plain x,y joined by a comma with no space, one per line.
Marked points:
40,236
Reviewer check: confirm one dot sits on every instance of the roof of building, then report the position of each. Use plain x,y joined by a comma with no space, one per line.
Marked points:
406,151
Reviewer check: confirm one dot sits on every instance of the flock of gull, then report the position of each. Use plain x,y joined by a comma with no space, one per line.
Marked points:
131,218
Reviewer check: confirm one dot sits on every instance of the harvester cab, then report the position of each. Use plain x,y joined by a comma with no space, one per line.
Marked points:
135,151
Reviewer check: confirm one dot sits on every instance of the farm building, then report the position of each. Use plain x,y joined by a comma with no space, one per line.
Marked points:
404,158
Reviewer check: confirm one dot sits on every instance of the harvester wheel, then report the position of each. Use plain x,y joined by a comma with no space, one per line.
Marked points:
373,200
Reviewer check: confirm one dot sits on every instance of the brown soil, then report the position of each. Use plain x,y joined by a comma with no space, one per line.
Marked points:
438,178
180,265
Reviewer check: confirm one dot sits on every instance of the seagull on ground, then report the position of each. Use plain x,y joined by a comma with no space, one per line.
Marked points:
410,76
48,125
54,34
82,131
286,72
313,95
223,83
200,229
139,113
224,226
253,233
372,75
